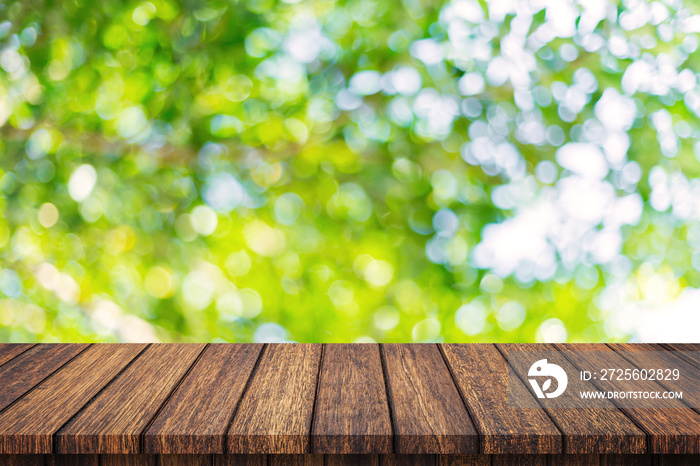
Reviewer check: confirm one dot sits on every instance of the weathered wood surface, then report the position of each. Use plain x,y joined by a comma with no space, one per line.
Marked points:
9,351
276,412
114,421
192,404
29,424
587,430
350,460
198,414
429,415
24,372
502,429
670,428
352,410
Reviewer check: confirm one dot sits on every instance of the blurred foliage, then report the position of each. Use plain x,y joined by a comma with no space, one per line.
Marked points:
349,170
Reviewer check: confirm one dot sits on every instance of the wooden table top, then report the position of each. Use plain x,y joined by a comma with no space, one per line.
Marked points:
310,398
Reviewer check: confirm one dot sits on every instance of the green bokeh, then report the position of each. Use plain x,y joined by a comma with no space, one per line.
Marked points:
219,171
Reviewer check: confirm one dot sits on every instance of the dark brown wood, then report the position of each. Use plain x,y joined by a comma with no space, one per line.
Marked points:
25,371
352,460
22,460
76,460
676,460
296,460
240,460
408,460
671,426
185,460
463,460
127,460
688,351
349,460
352,410
276,412
429,415
27,425
650,356
114,421
193,402
626,460
481,374
519,460
603,429
573,460
10,350
196,417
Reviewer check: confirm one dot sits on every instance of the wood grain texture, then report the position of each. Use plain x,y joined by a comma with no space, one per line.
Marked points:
185,460
671,427
73,460
352,410
195,424
676,460
11,350
347,460
281,398
276,412
429,415
352,460
408,460
481,374
25,371
22,460
114,421
127,460
649,356
519,460
27,425
603,429
688,351
464,460
240,460
573,460
296,460
626,460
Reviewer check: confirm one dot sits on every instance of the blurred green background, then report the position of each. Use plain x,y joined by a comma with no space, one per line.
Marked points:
341,171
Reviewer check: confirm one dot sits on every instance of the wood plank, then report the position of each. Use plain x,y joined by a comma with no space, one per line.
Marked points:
114,421
464,460
185,460
27,425
240,460
603,429
626,460
11,350
481,374
688,351
429,415
408,460
651,356
573,460
353,460
676,460
276,412
73,460
127,460
352,410
519,460
296,460
24,372
22,460
195,424
671,427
